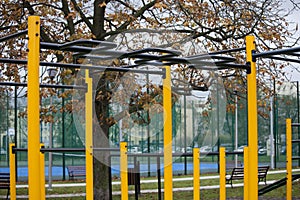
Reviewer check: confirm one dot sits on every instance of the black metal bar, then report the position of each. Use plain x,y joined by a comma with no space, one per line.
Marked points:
77,66
295,124
294,54
295,141
44,85
88,42
13,35
275,52
158,178
283,59
110,179
16,130
296,158
62,150
43,150
136,193
228,51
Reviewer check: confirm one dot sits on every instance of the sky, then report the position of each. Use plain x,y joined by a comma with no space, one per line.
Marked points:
293,75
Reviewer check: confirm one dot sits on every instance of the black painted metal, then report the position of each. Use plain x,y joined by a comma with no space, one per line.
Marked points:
44,85
3,39
275,52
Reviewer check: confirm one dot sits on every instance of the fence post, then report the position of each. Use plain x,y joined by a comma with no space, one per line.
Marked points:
123,170
246,170
42,172
252,119
12,172
89,137
196,181
33,107
289,159
222,173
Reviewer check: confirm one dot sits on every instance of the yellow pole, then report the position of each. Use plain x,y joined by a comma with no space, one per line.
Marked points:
33,108
246,172
196,161
289,159
123,171
222,174
252,120
42,167
12,172
89,137
167,102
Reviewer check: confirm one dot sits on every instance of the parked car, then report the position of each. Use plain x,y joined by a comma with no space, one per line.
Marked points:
262,151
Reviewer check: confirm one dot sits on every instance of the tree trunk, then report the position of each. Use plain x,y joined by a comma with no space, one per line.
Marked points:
100,140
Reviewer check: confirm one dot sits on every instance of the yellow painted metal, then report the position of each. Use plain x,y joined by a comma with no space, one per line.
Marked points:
289,159
222,174
196,181
123,171
34,178
252,120
42,167
89,137
12,172
167,102
246,173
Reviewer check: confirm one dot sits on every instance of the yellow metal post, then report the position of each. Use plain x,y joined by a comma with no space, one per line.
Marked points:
246,172
222,174
196,161
252,120
167,102
123,171
89,137
289,159
33,108
42,167
12,172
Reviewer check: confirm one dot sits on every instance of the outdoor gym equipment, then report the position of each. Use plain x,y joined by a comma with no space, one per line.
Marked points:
290,177
144,58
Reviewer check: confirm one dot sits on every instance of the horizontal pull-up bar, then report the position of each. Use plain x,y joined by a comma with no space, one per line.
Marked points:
3,39
79,66
284,59
88,42
275,52
43,150
43,85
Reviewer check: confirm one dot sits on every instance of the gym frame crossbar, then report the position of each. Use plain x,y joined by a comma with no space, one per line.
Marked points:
78,87
79,66
146,57
267,54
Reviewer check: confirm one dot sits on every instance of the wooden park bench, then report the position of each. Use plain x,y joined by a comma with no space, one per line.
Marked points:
5,182
237,173
76,171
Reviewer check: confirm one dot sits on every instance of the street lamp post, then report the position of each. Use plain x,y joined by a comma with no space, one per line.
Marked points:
298,116
236,142
51,73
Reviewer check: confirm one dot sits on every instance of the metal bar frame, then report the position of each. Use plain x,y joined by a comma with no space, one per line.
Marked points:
44,85
34,171
89,137
78,66
252,120
275,52
5,38
289,159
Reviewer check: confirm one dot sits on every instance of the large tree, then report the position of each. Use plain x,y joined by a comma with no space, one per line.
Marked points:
212,24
